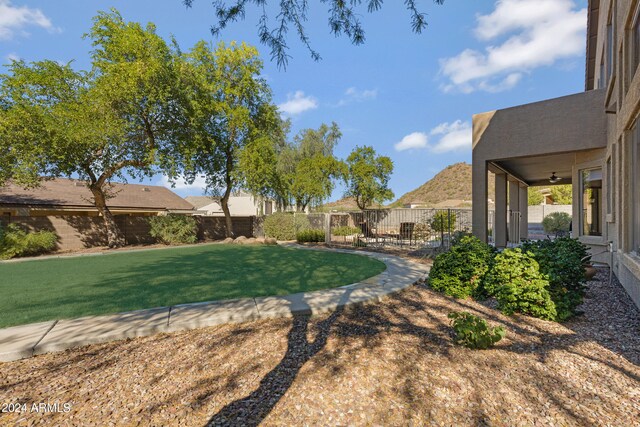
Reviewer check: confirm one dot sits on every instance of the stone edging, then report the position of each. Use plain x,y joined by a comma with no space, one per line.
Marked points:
24,341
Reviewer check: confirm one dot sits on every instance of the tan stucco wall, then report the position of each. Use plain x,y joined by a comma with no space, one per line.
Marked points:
623,101
560,125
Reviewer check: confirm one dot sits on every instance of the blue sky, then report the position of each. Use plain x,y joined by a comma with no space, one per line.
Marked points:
409,96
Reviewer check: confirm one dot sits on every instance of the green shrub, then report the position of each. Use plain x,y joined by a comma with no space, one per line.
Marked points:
562,261
359,243
458,235
285,225
459,271
16,242
473,332
310,236
174,229
443,221
556,223
345,231
516,282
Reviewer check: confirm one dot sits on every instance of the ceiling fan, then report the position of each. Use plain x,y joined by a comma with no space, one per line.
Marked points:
554,178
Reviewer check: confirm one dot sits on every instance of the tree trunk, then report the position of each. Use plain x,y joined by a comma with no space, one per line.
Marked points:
224,204
115,239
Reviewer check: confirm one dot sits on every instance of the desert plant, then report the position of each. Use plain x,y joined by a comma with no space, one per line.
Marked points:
422,231
345,230
16,242
556,223
473,331
443,221
310,236
285,225
561,260
173,229
518,286
459,272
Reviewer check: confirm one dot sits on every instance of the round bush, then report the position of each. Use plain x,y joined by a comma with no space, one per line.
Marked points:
562,261
459,272
174,229
556,222
518,286
285,225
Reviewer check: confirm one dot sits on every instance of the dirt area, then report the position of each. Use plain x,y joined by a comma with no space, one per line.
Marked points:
390,363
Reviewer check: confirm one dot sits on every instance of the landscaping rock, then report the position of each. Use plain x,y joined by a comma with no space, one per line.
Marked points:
249,241
240,240
260,240
228,240
270,241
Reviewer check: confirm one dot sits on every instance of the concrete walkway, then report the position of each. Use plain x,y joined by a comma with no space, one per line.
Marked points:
28,340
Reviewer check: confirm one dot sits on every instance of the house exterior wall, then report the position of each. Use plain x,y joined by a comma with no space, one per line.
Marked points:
238,206
614,79
622,101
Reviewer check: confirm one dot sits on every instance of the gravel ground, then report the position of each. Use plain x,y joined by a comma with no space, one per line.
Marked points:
392,363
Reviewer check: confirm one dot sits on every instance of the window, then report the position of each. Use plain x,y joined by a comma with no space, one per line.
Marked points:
635,43
610,186
635,190
609,49
591,201
601,76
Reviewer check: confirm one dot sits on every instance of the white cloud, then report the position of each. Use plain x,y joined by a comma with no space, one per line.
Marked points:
13,19
352,94
454,136
412,141
12,57
539,33
298,103
199,184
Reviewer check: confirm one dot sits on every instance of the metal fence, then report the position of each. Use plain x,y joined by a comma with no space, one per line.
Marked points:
400,228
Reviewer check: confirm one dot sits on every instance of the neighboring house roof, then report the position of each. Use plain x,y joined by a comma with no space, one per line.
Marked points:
62,192
200,201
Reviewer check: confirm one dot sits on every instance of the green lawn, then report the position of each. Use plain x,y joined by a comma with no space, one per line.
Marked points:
38,290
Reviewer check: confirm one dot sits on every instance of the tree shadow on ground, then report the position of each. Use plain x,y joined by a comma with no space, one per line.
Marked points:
252,409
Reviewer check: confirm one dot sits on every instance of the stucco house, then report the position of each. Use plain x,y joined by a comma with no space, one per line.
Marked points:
590,140
240,204
61,197
65,206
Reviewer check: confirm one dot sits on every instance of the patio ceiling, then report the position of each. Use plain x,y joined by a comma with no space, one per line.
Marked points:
536,170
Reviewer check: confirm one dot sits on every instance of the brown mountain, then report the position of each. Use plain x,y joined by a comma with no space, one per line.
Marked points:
450,188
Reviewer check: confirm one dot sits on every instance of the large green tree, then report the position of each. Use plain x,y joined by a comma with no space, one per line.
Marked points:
296,173
230,111
344,18
534,196
562,194
310,167
97,124
369,176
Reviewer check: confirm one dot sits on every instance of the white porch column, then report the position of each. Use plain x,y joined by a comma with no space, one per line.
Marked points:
500,232
524,211
479,196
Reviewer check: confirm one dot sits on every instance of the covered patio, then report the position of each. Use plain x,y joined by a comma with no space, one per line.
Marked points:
523,146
